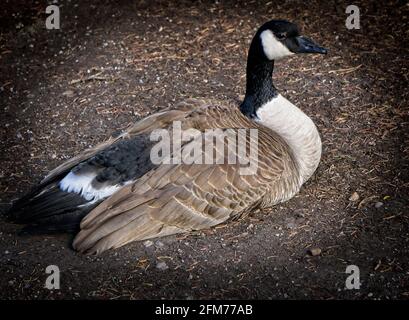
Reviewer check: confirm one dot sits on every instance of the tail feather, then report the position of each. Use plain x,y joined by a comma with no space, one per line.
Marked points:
49,210
64,222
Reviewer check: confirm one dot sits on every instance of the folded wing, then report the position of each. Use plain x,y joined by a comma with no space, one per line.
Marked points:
176,198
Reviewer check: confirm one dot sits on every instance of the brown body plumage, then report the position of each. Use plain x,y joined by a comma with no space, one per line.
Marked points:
179,198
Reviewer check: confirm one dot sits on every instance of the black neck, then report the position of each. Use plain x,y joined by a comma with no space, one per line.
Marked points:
259,87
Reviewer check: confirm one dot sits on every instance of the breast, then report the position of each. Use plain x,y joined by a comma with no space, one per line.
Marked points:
297,130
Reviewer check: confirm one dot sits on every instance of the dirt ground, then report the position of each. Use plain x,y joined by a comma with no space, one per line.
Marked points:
113,62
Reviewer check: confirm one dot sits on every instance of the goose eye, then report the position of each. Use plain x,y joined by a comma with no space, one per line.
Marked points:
281,36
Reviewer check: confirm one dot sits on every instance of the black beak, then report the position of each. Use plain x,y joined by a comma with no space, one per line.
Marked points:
306,45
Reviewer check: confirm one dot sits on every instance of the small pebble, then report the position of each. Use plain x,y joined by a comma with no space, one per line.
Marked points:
290,223
148,243
314,251
378,205
68,93
159,244
354,197
162,266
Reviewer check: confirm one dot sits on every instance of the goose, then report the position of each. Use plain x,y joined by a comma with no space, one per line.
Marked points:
114,194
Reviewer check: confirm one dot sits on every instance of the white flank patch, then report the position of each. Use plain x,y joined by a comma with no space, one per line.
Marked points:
81,184
273,48
299,131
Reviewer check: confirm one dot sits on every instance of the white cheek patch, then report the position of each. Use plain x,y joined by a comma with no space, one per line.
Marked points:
273,48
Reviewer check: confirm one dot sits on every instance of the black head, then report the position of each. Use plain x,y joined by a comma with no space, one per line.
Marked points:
280,38
274,40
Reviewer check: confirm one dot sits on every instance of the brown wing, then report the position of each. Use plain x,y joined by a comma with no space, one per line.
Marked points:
179,198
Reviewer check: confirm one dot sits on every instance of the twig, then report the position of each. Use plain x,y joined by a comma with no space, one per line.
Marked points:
347,70
93,77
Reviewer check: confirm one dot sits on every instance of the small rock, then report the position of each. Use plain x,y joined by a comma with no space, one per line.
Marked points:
148,243
290,223
378,205
162,266
159,244
354,197
314,252
68,93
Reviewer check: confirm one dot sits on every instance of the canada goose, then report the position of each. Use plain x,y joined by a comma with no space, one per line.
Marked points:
114,194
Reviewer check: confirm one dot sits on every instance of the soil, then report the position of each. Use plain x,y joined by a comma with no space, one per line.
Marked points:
114,62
